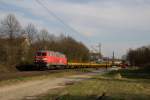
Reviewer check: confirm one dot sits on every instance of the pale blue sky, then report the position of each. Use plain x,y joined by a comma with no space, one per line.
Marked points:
117,24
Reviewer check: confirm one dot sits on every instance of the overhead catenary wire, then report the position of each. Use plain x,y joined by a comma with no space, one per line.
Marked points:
56,17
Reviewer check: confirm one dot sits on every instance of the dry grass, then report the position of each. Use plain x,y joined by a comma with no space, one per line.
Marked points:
110,86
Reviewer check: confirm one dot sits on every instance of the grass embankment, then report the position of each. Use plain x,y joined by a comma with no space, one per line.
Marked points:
27,76
126,84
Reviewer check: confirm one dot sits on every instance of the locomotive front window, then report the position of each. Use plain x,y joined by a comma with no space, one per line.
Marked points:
43,54
38,54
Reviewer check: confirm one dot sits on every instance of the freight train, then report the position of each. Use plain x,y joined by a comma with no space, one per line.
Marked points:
45,59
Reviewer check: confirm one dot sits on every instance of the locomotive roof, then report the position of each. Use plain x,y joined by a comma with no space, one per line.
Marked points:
50,51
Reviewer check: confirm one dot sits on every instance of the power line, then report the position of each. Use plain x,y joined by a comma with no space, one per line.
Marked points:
55,16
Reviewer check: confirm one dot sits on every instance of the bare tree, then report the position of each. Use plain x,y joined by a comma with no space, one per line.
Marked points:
31,31
44,35
10,27
43,39
139,56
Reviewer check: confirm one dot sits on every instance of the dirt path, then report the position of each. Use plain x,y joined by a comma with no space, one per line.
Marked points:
36,87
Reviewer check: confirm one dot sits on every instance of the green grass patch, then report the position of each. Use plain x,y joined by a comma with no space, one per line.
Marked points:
106,87
137,73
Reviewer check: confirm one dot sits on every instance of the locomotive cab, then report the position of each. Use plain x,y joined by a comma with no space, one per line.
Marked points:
41,59
50,59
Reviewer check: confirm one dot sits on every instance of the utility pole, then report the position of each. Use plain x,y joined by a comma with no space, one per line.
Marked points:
113,58
97,50
99,47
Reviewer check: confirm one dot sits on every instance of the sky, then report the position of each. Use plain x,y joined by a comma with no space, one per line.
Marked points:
117,24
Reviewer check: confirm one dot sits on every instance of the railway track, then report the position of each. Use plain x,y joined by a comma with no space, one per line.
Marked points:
20,74
29,73
14,75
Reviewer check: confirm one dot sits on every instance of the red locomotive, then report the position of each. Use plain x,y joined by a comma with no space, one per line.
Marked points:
50,59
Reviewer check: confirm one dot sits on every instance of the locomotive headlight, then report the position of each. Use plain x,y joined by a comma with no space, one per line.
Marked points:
37,58
44,59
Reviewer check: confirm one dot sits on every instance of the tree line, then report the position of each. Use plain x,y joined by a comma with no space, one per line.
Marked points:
18,44
139,56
